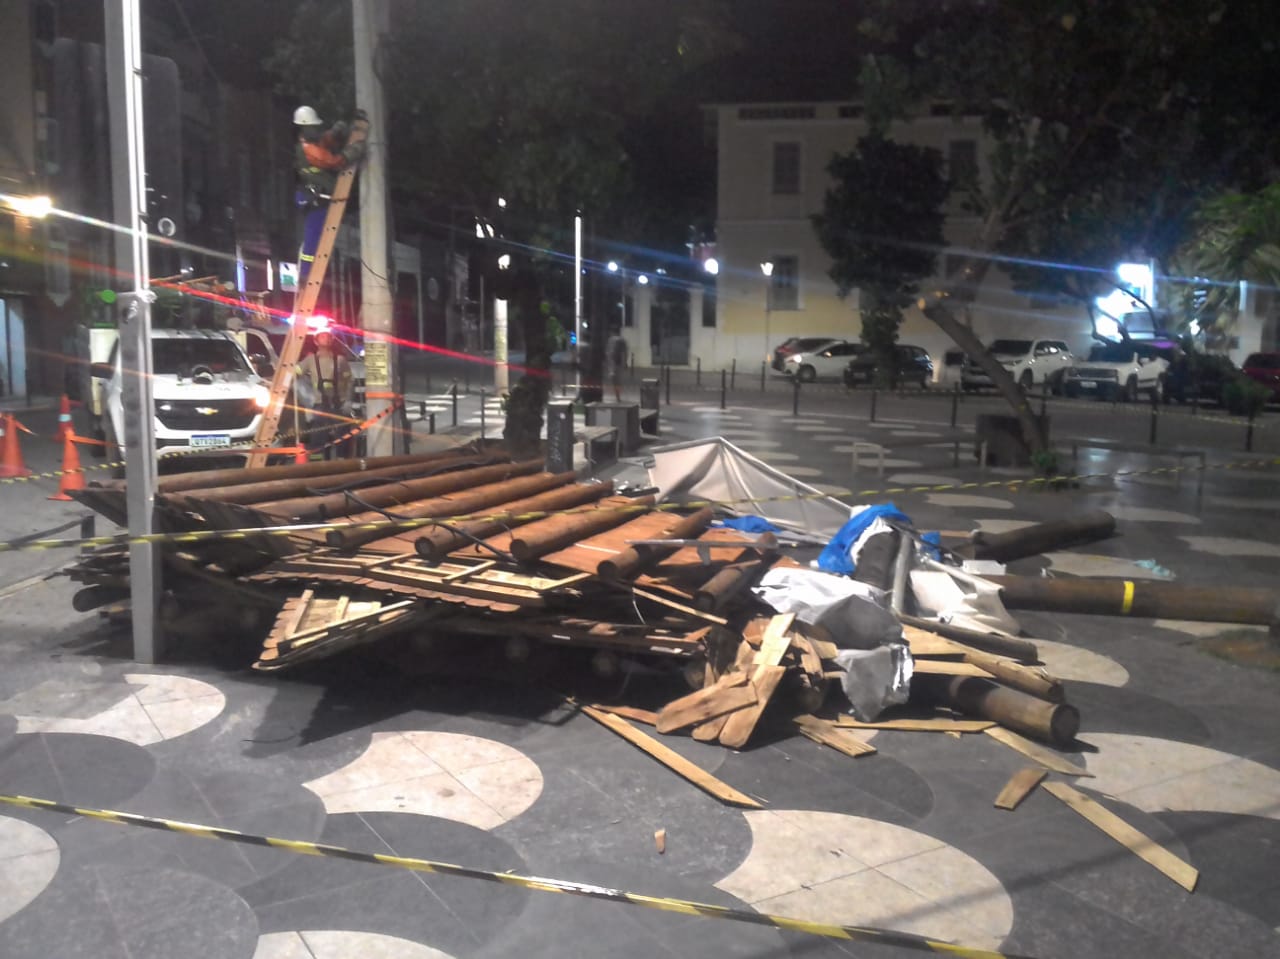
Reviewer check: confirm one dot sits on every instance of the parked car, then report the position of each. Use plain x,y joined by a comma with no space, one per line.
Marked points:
1121,371
1198,374
826,362
207,393
798,344
1264,368
1031,363
912,364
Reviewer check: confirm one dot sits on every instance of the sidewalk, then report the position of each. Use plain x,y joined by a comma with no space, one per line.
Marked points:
499,774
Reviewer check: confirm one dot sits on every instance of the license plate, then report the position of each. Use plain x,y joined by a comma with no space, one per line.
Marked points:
205,441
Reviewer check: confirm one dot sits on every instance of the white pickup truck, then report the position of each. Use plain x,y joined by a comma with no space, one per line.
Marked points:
1031,363
208,393
1121,371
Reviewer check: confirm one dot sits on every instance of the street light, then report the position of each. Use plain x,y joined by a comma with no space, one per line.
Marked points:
767,269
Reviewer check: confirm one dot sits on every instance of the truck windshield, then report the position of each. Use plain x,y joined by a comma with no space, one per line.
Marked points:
180,356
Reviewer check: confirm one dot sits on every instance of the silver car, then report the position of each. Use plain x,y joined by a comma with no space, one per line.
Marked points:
825,363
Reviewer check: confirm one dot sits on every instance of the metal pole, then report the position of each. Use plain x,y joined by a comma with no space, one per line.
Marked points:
128,173
501,371
1248,435
1044,397
668,379
724,374
482,423
577,299
370,26
763,367
697,381
795,397
454,392
1155,416
875,392
955,404
733,372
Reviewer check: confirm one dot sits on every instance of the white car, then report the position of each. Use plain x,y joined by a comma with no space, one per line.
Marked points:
1120,371
825,363
206,391
1031,363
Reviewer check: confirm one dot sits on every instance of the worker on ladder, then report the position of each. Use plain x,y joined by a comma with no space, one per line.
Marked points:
320,156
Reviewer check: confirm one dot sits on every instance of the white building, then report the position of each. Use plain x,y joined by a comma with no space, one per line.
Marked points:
772,178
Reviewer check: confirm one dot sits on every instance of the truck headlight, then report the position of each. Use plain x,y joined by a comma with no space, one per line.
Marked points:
261,396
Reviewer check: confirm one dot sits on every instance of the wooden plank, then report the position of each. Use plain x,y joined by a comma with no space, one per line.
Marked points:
1019,786
931,724
709,732
646,716
673,760
729,693
821,731
663,601
775,642
924,643
1138,843
1045,757
743,723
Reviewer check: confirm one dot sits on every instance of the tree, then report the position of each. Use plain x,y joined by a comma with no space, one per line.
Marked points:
534,101
1235,236
881,224
1107,119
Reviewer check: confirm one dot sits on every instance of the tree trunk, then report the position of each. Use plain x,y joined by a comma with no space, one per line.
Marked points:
528,398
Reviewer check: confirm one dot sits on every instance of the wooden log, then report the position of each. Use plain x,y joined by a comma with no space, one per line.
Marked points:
712,595
1138,843
1033,682
91,597
1019,787
556,532
925,724
281,488
631,560
1141,598
1057,723
439,542
238,476
305,509
461,503
1040,538
1019,649
673,760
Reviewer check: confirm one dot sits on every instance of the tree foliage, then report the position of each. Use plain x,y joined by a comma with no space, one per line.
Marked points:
881,224
540,102
1107,119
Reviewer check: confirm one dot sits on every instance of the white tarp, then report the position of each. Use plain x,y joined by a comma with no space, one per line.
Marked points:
716,470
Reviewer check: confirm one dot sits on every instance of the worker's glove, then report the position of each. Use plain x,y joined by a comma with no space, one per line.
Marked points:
353,153
360,115
341,130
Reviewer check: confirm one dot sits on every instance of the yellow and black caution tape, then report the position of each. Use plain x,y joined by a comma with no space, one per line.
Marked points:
403,525
685,907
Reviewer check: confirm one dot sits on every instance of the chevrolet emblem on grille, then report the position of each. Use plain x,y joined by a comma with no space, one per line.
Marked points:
206,410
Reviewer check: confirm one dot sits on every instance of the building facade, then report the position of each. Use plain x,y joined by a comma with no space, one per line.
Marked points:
772,177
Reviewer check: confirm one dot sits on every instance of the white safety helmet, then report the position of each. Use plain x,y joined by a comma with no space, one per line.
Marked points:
306,117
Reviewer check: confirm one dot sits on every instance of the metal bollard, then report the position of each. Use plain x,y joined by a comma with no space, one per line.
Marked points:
1044,397
466,379
795,396
454,393
668,391
1248,434
875,393
763,367
1155,416
724,374
431,422
482,423
733,372
422,410
955,404
697,381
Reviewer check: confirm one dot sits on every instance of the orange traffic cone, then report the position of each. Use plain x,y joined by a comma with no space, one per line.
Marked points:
64,418
10,452
72,475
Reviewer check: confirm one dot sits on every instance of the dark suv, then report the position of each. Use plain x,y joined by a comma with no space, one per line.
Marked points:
911,364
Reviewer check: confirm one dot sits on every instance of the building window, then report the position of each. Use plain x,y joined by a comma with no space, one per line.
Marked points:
784,285
962,164
786,168
708,309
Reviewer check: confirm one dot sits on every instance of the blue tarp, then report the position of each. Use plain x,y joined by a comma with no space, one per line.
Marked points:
751,524
834,557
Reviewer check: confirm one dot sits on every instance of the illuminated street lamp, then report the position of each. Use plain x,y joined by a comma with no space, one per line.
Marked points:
767,269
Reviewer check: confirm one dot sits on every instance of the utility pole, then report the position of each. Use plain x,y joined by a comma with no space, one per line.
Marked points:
129,197
577,302
371,25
